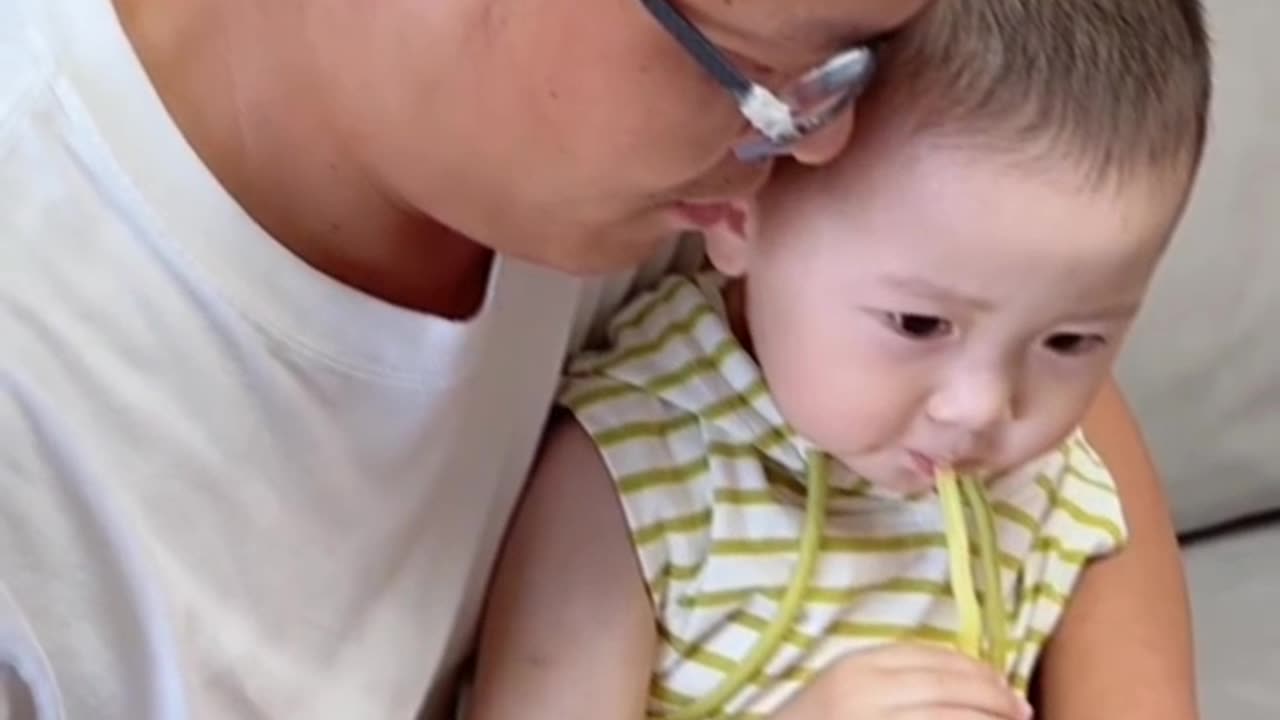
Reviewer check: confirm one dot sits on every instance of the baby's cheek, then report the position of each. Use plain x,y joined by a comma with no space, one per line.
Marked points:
843,410
1039,433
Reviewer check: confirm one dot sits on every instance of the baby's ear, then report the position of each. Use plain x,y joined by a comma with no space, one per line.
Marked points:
731,240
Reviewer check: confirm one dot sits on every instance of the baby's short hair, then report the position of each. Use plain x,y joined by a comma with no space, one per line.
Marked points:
1119,85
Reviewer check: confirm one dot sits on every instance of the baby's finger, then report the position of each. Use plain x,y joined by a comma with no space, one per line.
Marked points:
943,714
910,656
940,692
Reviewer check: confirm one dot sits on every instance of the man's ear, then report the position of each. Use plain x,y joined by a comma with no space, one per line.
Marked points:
731,241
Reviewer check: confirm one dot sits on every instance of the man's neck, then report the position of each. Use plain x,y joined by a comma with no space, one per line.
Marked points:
248,102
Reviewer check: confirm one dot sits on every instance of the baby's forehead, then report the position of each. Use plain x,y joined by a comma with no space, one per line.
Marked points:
988,181
952,206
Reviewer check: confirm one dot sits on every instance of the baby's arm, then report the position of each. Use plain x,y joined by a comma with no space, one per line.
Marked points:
569,632
1123,648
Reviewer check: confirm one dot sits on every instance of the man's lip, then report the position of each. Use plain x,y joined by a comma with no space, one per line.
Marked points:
707,214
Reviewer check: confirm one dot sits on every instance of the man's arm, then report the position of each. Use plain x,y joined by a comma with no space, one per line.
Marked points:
1124,649
569,632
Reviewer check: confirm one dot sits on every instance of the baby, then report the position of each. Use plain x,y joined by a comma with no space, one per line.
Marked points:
742,501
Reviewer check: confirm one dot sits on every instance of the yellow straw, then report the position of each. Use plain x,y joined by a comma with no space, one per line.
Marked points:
789,608
969,636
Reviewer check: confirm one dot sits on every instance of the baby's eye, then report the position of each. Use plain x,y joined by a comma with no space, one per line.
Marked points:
917,327
1074,343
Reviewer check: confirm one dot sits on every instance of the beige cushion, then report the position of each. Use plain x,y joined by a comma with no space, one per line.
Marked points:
1203,368
1235,591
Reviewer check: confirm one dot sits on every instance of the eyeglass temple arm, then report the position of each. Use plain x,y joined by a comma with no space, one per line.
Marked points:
701,48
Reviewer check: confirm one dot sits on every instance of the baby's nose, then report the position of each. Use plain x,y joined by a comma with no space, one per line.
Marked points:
972,406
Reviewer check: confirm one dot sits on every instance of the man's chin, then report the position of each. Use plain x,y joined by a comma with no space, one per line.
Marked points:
600,255
587,263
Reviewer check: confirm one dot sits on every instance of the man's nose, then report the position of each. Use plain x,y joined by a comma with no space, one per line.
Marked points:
824,144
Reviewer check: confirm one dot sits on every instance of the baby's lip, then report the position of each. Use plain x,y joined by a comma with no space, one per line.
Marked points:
925,464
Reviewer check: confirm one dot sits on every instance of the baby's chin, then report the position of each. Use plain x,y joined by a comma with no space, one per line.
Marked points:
901,482
904,484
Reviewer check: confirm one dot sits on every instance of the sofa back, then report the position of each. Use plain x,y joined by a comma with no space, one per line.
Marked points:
1203,366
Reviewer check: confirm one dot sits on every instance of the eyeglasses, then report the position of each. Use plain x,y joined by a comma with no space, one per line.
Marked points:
781,119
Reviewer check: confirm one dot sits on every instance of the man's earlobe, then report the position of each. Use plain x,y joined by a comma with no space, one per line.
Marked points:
730,241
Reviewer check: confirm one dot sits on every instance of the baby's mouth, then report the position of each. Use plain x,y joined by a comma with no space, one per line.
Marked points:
926,465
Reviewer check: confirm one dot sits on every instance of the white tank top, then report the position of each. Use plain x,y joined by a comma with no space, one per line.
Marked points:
230,487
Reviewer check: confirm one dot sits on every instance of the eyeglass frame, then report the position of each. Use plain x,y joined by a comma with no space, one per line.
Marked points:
849,71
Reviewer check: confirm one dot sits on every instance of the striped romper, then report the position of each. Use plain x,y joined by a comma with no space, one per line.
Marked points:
711,481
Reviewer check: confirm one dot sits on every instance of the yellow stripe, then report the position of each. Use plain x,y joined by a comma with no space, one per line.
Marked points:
708,364
704,364
802,672
729,451
1044,592
649,430
633,320
1076,474
793,488
1017,516
784,482
670,573
599,395
659,587
757,624
1079,514
664,696
743,497
1030,649
653,429
1035,638
699,654
1049,544
822,596
688,523
787,545
889,544
656,346
662,477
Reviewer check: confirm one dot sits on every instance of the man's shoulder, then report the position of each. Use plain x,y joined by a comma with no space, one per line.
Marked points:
25,62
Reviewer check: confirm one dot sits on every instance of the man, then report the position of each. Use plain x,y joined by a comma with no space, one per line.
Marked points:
279,330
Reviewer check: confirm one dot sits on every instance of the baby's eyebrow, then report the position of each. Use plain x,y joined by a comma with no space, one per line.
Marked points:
928,289
1117,311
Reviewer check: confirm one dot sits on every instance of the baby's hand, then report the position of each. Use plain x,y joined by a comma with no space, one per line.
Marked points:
907,682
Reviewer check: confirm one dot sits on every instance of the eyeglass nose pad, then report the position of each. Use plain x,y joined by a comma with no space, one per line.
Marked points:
815,148
825,143
758,149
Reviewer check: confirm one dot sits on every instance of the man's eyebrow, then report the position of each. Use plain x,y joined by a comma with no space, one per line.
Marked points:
924,288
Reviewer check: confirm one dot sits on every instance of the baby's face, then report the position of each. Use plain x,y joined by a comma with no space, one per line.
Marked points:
928,305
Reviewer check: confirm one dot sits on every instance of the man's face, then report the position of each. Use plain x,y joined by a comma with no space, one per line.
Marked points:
579,132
